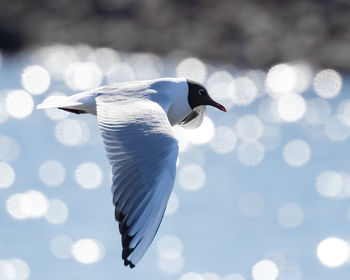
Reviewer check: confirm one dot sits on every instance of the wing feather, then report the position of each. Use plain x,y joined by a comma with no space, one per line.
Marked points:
142,150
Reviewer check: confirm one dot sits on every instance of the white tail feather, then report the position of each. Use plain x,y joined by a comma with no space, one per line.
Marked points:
82,101
56,102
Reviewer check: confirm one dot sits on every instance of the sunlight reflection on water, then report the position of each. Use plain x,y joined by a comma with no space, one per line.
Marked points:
291,121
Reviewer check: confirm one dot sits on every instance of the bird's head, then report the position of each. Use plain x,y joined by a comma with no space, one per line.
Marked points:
198,95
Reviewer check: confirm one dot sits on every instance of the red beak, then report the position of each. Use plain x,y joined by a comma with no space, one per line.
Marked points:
217,105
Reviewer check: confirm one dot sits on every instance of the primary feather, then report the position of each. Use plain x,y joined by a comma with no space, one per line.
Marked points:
142,151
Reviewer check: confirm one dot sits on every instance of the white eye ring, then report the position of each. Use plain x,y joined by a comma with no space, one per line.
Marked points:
201,92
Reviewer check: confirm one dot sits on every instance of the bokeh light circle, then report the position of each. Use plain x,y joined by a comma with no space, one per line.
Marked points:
14,269
333,252
250,153
19,104
121,72
224,141
7,271
88,175
192,177
146,65
296,153
31,204
34,204
280,79
258,77
290,215
304,76
35,79
268,111
243,91
21,268
13,207
329,183
83,76
70,132
87,251
169,247
104,58
192,68
52,173
265,270
56,58
327,83
171,266
291,107
7,175
58,212
201,135
218,86
249,128
336,130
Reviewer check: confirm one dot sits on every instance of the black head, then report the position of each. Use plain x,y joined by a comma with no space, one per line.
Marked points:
198,95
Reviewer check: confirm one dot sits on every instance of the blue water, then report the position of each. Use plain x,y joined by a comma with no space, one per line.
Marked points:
216,236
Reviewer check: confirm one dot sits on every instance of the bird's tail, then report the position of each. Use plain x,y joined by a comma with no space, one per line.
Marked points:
78,103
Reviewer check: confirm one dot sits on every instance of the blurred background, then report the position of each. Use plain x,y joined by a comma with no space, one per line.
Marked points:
262,192
254,33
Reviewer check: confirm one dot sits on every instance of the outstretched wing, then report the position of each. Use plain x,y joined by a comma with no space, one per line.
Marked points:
142,150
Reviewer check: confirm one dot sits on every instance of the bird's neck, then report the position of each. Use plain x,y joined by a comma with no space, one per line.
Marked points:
174,99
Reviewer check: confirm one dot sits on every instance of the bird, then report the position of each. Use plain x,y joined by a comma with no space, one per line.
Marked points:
135,120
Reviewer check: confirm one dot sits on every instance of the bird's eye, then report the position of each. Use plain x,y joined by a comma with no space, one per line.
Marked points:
201,92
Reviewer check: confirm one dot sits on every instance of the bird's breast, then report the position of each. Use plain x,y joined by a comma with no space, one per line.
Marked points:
176,114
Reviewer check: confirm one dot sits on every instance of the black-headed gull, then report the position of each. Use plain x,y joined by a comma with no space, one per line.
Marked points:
135,120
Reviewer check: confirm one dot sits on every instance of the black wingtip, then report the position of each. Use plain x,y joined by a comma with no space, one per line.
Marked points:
126,252
75,111
127,262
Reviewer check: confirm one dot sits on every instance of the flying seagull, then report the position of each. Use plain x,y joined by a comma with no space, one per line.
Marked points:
135,120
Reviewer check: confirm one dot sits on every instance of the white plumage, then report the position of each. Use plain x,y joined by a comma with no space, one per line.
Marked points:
135,120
